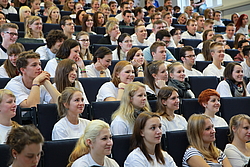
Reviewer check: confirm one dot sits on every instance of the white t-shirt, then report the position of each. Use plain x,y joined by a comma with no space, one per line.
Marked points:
108,89
16,85
192,72
224,89
218,23
151,39
137,159
86,161
3,55
119,16
212,70
51,67
11,9
137,43
186,35
3,73
243,30
178,123
45,53
4,133
123,56
219,122
120,127
245,67
93,72
200,57
63,129
226,37
235,156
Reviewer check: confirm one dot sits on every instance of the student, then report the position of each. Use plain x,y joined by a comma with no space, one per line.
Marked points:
105,9
233,85
25,144
191,31
93,146
24,11
35,7
54,40
9,34
238,37
7,8
201,136
240,55
177,79
124,45
139,14
135,56
95,4
146,143
33,28
189,10
167,102
219,38
141,37
217,52
83,38
68,26
182,19
133,102
101,61
70,104
32,86
206,35
8,110
230,31
246,63
200,23
54,15
87,24
154,17
176,35
208,13
113,7
208,25
167,16
209,99
122,75
235,18
188,56
237,151
9,69
242,24
158,51
157,26
79,17
127,21
69,6
124,6
112,29
217,19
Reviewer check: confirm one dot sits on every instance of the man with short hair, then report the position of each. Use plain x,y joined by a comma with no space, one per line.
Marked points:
167,16
164,36
241,44
230,30
200,23
7,8
188,56
54,40
9,34
246,63
151,10
217,19
154,17
191,31
68,26
127,19
167,2
158,51
170,9
139,14
157,25
33,86
141,35
124,6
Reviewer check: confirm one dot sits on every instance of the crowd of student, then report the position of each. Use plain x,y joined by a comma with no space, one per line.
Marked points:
140,55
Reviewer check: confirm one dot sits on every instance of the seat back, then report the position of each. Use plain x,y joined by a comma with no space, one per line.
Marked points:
25,116
47,116
5,155
191,42
177,144
201,65
232,52
3,82
103,110
120,149
96,46
95,38
56,153
189,107
221,136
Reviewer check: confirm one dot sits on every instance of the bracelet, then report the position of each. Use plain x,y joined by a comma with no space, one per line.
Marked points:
36,85
121,88
83,70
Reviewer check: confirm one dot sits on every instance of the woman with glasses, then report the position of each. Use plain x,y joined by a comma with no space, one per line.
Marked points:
83,38
87,24
124,45
33,28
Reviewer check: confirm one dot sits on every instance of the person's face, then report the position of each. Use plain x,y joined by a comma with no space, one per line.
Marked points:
115,31
69,26
131,4
166,40
139,58
169,19
213,104
113,6
13,59
200,22
160,53
219,53
142,32
96,5
192,27
244,20
81,15
33,69
83,2
210,14
241,38
75,53
189,58
127,74
182,19
36,4
128,18
230,30
2,19
168,3
29,156
55,14
84,41
8,107
71,4
178,73
89,22
10,36
4,2
177,35
208,134
172,103
243,131
126,7
78,7
126,44
217,16
73,74
159,27
151,11
100,18
58,44
152,132
189,11
235,18
76,103
208,27
170,9
105,61
149,3
243,44
26,13
104,1
106,11
157,17
162,73
37,26
210,35
139,99
103,143
237,73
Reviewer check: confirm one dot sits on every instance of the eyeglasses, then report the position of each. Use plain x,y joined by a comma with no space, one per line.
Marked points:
166,42
191,56
70,24
84,40
12,33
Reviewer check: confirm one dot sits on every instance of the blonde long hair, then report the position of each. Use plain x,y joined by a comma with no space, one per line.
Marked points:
28,31
49,19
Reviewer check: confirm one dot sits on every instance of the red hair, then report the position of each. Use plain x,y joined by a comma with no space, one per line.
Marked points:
239,22
205,95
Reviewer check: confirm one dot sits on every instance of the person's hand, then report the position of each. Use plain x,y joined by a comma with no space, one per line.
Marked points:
227,47
135,63
121,85
99,66
44,75
79,62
